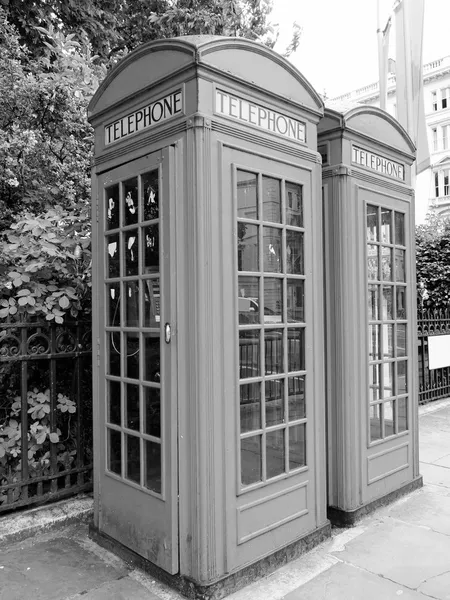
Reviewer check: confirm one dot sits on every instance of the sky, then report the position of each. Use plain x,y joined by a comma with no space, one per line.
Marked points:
338,50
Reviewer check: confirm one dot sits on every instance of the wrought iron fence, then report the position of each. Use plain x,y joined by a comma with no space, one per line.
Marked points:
433,383
45,412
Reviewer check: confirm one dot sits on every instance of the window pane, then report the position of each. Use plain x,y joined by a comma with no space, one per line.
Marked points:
399,265
296,398
112,206
152,354
114,354
374,382
272,250
132,357
273,351
295,301
294,253
386,263
130,195
113,299
132,406
114,403
372,223
388,341
151,303
375,422
115,451
274,402
153,466
133,454
294,205
152,411
388,379
131,252
296,350
399,229
401,340
151,249
401,302
247,195
372,262
150,187
297,446
271,190
113,256
274,453
132,304
402,384
248,247
248,300
402,404
273,300
251,460
386,219
249,362
388,303
250,403
389,418
374,341
373,303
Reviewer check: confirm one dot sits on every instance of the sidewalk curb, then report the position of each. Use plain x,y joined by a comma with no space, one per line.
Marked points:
433,406
17,527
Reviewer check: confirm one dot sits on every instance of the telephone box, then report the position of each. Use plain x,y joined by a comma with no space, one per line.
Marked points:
371,311
208,286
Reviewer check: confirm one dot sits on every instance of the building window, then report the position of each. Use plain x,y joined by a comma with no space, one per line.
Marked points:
434,100
445,137
446,182
435,139
436,184
445,97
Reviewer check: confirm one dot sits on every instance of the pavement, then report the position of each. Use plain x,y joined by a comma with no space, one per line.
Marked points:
400,551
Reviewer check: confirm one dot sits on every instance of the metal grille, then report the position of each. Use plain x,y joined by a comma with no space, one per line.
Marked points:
435,383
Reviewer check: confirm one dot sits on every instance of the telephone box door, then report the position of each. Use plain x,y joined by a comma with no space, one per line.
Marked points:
138,416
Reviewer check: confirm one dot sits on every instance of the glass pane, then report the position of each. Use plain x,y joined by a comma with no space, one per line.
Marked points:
273,351
132,357
389,418
374,382
114,403
247,195
153,466
130,196
113,299
372,223
388,341
251,460
372,262
295,301
152,353
386,220
272,250
388,379
248,247
401,302
296,398
297,446
131,252
113,257
294,204
271,190
401,340
132,304
152,411
248,300
112,206
150,186
388,303
294,253
151,303
274,402
399,265
132,406
375,422
402,384
250,402
274,453
402,406
115,451
399,229
151,249
386,263
249,362
273,300
114,354
296,349
374,342
373,302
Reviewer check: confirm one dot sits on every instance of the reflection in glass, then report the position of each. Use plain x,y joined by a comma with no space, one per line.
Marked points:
132,357
295,301
248,300
388,303
375,422
401,340
401,302
152,353
274,392
152,411
113,299
296,350
114,403
372,223
130,196
297,446
152,469
247,195
150,186
294,204
248,247
389,418
132,304
272,250
131,252
113,256
399,265
273,300
249,361
251,460
388,379
372,262
296,398
399,229
271,197
374,341
151,249
250,403
294,253
115,451
273,351
386,219
151,303
386,263
132,407
274,453
402,384
374,382
373,303
114,354
402,408
112,206
388,341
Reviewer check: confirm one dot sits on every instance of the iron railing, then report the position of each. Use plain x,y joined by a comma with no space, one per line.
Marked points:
45,412
433,383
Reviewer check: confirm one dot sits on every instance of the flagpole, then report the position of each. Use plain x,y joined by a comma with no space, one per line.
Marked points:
382,75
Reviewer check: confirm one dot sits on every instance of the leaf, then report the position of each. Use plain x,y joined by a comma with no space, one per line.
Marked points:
40,439
64,302
23,292
54,438
23,301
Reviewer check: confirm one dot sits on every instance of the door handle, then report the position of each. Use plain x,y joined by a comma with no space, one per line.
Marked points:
167,333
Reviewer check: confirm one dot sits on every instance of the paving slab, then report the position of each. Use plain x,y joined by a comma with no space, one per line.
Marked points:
437,587
443,462
122,589
435,474
406,554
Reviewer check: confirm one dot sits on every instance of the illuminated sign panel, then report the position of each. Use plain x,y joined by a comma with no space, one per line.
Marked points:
377,163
